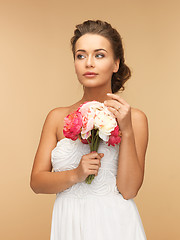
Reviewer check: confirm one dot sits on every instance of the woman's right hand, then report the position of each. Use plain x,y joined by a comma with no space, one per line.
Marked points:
89,164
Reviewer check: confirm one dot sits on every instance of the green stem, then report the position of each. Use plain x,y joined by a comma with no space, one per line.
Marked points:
93,147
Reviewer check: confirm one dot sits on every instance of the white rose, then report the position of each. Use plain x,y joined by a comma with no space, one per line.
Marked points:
105,122
88,111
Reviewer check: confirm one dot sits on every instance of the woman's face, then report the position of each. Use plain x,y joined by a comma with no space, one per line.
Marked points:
94,55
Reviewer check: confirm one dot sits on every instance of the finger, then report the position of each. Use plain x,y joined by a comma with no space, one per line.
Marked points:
94,155
93,167
114,110
113,103
93,172
94,161
120,99
97,154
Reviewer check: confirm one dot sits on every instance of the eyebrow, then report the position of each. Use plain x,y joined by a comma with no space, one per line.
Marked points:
96,50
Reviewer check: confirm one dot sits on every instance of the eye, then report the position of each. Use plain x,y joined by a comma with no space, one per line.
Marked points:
80,56
100,55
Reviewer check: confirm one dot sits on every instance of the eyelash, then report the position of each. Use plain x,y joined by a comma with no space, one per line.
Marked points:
79,55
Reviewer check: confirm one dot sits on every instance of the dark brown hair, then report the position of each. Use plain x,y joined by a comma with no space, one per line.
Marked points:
105,29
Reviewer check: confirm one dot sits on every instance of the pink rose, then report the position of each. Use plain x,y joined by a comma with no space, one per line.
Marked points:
88,112
72,125
114,138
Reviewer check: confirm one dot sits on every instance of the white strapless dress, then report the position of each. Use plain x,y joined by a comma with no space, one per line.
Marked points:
95,211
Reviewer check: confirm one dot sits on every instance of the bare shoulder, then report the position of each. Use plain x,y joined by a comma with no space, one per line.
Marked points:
140,127
138,116
59,112
56,117
55,114
139,121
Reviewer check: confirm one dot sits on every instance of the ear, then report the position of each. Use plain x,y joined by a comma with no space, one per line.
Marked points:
116,65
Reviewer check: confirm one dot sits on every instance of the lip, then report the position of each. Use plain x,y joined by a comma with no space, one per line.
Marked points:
90,74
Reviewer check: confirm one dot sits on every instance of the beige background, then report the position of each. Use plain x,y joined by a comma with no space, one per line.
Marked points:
37,75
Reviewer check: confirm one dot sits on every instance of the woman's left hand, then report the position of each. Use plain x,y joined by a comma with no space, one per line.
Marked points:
121,110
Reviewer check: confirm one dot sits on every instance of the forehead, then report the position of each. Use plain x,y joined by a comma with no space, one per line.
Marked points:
92,41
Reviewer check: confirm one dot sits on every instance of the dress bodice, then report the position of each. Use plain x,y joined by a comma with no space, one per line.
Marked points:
92,211
67,155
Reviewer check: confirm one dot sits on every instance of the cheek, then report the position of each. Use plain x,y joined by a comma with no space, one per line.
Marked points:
77,67
107,67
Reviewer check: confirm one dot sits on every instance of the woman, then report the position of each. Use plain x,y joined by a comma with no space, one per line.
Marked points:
104,209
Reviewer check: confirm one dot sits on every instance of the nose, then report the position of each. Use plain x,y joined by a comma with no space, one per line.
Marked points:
90,61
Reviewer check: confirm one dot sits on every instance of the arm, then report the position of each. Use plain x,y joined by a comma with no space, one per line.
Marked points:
132,151
42,179
53,182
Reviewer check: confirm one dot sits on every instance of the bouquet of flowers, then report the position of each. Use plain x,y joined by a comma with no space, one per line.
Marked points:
91,122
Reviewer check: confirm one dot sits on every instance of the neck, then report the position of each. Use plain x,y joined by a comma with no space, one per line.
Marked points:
97,94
